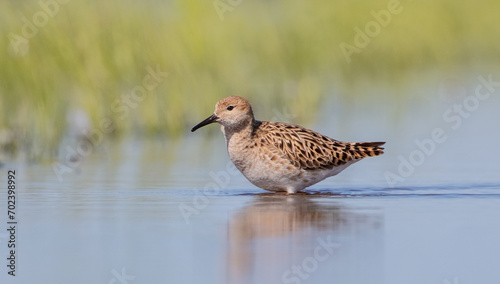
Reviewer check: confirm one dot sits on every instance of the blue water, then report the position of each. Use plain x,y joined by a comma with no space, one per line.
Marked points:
164,211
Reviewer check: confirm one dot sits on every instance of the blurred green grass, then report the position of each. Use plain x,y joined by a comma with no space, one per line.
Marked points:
89,53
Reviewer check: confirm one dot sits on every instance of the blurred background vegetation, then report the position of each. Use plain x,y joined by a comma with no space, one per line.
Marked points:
86,55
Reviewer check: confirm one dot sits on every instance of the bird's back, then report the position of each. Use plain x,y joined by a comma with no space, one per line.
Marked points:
310,150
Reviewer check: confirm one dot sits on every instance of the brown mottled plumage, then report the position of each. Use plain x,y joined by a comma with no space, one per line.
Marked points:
282,157
310,150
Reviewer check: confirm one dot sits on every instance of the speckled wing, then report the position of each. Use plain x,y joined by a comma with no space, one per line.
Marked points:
310,150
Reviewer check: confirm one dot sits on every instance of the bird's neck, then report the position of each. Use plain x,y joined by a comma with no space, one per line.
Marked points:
241,132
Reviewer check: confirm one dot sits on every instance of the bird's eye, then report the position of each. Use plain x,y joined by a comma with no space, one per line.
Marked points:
230,108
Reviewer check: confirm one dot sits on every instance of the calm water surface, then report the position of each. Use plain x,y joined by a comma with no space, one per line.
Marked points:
155,212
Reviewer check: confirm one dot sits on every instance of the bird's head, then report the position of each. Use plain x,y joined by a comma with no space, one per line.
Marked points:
232,112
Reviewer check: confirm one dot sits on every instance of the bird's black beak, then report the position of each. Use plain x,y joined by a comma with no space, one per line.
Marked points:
213,118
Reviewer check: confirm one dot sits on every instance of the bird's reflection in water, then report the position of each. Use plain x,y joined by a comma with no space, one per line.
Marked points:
295,239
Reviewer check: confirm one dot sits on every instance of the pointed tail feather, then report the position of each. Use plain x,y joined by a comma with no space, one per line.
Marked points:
368,149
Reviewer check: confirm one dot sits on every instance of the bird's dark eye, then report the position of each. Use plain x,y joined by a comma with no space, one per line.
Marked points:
230,108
